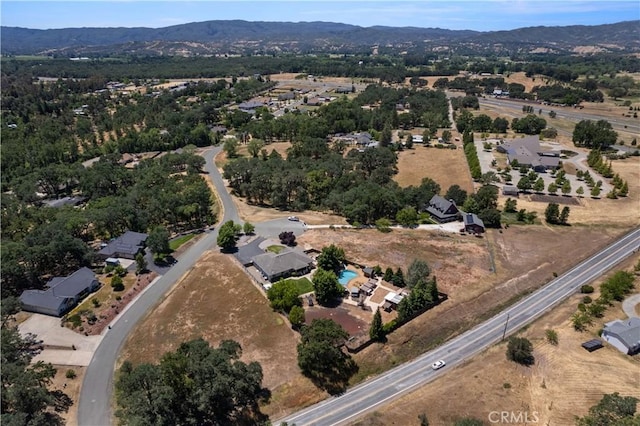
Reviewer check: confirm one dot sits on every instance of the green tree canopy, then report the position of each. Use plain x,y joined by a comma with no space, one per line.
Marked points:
376,331
283,296
192,386
418,271
331,258
158,240
594,134
227,235
520,350
612,410
320,357
326,286
26,400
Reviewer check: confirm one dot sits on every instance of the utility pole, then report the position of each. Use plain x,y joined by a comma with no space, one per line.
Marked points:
504,333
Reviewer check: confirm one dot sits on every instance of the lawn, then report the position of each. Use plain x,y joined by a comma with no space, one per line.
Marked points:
304,285
177,242
275,248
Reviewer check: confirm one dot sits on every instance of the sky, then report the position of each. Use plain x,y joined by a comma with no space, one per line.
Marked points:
480,15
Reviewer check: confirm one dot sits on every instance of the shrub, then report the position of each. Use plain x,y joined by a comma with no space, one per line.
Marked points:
586,300
71,374
95,302
586,289
506,385
552,336
520,350
118,298
75,320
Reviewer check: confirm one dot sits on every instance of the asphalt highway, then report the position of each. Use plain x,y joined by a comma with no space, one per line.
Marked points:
384,388
94,405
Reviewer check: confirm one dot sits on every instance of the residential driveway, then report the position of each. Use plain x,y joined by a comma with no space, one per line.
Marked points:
60,341
273,228
629,305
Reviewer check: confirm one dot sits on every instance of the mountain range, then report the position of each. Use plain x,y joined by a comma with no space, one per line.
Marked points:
243,37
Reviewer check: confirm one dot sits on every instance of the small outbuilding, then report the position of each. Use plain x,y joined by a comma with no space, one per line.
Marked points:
473,224
592,345
368,272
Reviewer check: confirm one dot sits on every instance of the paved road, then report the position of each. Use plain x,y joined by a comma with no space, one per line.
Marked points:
94,406
621,124
384,388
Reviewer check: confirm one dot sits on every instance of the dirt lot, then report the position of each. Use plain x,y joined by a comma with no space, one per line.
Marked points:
564,382
217,301
445,166
71,387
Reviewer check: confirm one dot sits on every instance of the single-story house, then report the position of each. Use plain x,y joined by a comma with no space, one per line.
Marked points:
527,152
472,223
250,106
284,264
442,210
62,293
592,345
624,335
127,246
287,96
343,90
315,101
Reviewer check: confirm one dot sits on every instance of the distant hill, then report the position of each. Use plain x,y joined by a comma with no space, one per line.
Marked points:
242,37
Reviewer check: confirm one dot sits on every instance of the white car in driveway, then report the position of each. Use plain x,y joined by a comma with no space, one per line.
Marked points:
438,364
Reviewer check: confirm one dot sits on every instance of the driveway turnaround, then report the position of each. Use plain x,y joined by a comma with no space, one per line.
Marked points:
61,345
408,376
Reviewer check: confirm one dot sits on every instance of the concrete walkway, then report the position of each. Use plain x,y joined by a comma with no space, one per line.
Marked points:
629,305
60,341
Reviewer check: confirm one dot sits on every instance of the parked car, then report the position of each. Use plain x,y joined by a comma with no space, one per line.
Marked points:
438,364
294,218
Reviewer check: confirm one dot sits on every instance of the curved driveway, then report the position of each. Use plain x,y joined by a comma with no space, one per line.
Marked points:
94,406
408,376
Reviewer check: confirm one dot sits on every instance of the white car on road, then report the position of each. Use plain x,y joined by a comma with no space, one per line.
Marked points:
294,218
438,364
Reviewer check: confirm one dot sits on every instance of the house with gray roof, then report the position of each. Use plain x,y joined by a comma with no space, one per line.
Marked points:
624,335
442,210
62,293
528,152
284,264
127,246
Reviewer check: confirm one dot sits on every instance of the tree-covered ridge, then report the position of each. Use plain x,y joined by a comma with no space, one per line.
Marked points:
220,36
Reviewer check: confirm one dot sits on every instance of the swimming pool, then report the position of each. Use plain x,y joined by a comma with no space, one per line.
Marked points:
346,275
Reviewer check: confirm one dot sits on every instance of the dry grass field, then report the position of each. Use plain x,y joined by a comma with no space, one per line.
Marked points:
445,166
218,301
564,382
71,387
